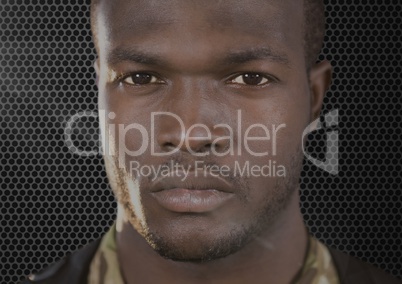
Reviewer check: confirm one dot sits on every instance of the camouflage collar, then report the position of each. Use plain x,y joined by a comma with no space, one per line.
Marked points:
318,267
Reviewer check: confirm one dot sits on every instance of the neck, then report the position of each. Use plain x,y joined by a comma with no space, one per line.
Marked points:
275,256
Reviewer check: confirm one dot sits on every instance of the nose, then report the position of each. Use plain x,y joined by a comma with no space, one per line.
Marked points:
190,123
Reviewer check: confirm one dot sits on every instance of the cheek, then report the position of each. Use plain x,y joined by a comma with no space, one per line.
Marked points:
282,132
280,168
291,121
126,134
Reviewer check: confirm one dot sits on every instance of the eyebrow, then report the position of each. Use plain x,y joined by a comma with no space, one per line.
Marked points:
235,57
123,54
259,53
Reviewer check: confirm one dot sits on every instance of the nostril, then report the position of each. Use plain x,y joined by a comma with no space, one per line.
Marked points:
169,145
206,148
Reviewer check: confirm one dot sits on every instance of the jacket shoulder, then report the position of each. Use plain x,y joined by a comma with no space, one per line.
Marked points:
352,270
72,269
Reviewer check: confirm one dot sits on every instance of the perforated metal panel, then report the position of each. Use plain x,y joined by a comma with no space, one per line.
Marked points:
53,202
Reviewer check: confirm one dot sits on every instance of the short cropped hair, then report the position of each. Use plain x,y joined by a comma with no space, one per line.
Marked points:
314,28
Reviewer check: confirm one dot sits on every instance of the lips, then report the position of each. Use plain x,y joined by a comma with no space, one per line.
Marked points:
197,193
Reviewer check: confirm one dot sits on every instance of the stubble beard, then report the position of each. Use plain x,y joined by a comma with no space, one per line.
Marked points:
215,247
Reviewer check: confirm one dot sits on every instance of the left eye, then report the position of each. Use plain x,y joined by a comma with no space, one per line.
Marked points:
141,79
251,79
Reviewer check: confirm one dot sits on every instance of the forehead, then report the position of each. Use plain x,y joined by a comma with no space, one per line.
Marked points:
200,25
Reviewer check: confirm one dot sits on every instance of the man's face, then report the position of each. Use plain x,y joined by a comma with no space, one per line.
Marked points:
223,70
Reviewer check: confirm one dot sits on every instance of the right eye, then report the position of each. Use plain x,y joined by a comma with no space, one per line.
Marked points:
251,79
138,79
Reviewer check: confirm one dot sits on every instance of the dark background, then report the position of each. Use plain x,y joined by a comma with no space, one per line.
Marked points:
52,202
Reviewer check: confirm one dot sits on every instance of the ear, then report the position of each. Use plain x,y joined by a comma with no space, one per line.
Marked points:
96,66
320,76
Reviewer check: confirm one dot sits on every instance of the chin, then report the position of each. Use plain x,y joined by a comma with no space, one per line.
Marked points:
198,248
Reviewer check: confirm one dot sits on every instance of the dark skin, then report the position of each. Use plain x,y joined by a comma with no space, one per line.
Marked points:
195,59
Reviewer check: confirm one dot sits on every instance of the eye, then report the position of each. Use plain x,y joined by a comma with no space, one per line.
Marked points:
141,79
251,79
